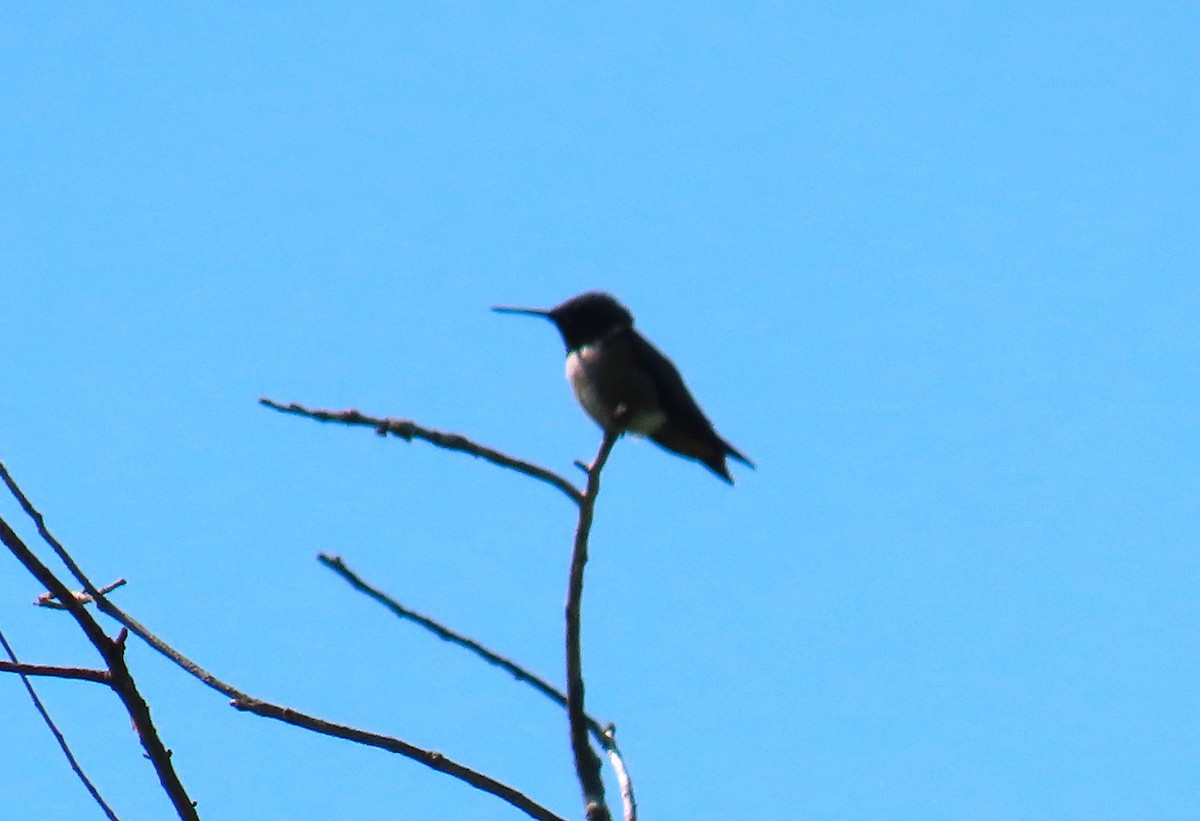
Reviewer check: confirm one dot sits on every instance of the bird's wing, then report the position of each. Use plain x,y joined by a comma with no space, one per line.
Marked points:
677,400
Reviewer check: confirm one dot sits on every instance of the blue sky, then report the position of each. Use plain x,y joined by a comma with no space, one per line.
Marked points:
933,268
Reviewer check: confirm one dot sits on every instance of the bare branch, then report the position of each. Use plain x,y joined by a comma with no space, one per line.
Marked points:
54,731
518,672
606,736
408,430
113,653
83,597
248,703
240,699
586,760
434,760
628,802
338,566
587,764
50,671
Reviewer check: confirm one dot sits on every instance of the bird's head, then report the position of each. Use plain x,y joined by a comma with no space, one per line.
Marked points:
582,319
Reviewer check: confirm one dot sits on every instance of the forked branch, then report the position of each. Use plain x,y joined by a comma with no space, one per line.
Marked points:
239,699
587,764
122,683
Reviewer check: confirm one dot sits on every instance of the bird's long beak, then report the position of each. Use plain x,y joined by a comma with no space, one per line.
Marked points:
502,309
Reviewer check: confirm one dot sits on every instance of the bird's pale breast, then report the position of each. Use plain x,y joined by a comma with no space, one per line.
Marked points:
602,384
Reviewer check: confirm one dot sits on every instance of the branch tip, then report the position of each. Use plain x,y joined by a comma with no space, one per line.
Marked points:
408,430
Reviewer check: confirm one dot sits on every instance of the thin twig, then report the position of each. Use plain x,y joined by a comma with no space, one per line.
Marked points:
408,430
83,597
587,764
604,735
54,731
69,601
113,653
51,671
628,801
434,760
239,698
518,672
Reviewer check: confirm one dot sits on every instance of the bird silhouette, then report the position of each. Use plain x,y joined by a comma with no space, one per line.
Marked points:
624,383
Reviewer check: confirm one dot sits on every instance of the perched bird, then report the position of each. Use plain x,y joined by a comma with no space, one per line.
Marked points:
623,382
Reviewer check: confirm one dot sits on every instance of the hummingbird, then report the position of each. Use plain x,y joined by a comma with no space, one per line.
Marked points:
624,382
